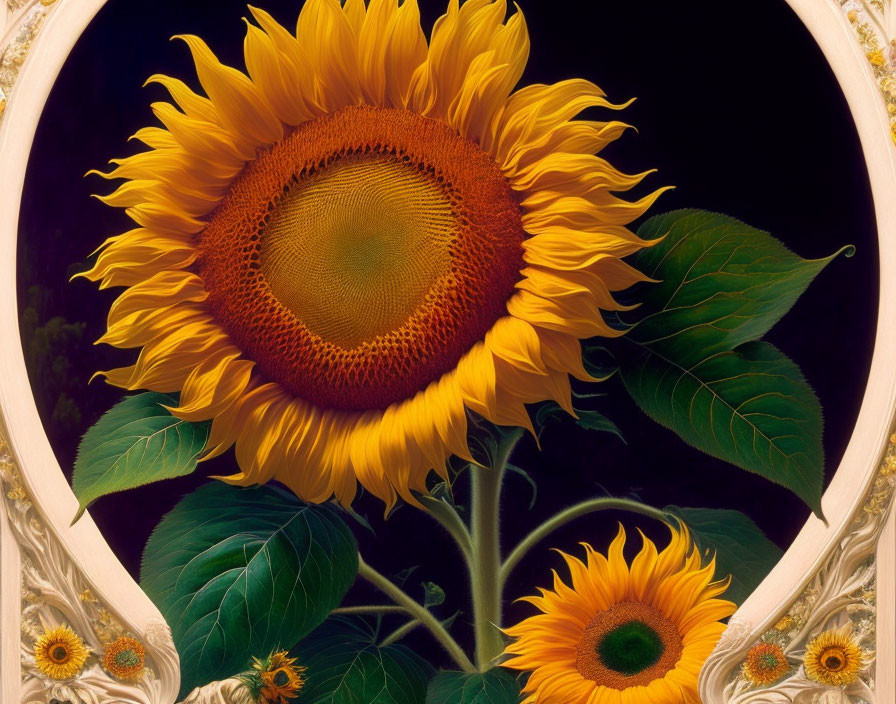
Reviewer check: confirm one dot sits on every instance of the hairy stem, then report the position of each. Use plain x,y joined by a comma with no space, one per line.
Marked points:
371,609
418,611
568,515
399,633
448,518
485,567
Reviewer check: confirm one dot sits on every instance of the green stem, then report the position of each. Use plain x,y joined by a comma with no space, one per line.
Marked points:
372,609
399,633
419,612
485,567
449,519
570,514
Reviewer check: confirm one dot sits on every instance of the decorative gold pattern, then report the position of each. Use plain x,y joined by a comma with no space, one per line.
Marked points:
874,22
27,16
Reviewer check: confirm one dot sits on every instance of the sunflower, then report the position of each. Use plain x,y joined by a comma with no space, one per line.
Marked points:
833,657
620,634
275,679
125,658
59,653
340,252
765,664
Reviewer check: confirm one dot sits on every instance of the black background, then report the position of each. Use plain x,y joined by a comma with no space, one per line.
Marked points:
736,108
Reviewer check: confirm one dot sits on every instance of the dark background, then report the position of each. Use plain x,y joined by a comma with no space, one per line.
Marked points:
736,108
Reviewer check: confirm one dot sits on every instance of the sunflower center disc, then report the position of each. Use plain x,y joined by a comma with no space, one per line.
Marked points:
628,645
361,257
127,658
59,653
630,648
834,661
768,661
354,251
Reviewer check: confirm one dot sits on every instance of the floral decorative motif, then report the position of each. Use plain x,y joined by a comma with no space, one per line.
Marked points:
29,16
874,23
833,657
60,653
765,664
125,659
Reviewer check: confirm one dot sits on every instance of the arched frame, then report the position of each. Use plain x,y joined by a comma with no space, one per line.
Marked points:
842,571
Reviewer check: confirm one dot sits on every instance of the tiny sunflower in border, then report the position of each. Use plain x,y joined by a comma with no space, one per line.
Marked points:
765,664
339,253
60,653
125,659
833,657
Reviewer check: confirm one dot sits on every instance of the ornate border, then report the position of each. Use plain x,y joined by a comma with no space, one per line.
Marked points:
839,575
23,21
54,593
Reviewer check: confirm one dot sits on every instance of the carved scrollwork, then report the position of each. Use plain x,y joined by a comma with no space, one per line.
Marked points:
54,595
24,19
874,24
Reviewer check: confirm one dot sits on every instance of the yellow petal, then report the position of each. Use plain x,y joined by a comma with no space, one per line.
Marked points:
240,106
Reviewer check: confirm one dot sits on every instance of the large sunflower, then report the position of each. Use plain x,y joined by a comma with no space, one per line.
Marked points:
341,252
620,634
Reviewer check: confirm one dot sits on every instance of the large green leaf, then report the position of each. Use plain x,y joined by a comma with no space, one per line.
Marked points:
241,572
136,442
345,666
740,546
720,283
695,366
750,407
492,687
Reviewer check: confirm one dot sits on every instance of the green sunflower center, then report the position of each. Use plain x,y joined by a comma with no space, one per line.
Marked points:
281,679
630,648
768,661
127,658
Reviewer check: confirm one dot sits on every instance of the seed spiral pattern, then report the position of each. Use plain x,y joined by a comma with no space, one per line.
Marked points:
357,260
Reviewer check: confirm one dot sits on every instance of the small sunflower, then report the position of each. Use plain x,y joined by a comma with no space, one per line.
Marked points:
275,679
340,253
765,664
59,653
833,657
620,634
124,659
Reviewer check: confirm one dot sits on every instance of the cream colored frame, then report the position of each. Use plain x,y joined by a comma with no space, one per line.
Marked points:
845,571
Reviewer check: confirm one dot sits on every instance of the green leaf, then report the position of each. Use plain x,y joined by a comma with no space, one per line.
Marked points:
135,443
241,572
698,368
345,666
492,687
740,547
720,283
750,407
434,595
592,420
589,420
